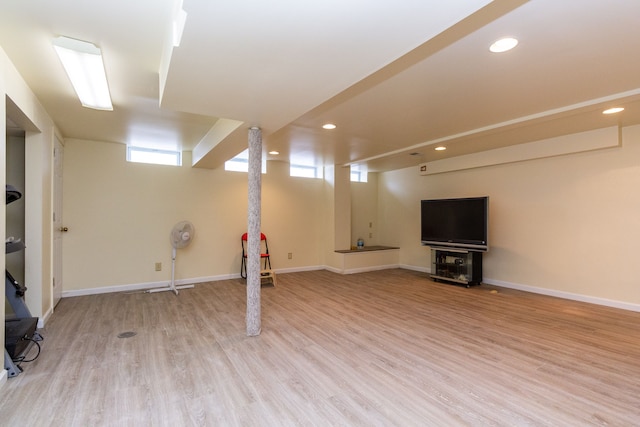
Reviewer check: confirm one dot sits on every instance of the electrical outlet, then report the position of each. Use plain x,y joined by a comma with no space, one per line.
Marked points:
158,266
290,255
370,224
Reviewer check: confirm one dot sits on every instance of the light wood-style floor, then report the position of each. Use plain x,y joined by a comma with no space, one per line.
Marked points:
388,348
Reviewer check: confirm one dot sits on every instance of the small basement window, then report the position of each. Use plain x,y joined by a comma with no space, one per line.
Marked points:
240,163
358,173
305,171
237,164
156,157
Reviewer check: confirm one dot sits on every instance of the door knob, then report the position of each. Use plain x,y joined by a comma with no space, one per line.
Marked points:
64,229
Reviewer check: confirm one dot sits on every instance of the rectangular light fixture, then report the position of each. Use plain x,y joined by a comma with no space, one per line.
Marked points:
83,63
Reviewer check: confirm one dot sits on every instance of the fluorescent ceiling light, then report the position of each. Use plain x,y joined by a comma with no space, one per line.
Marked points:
328,126
440,148
83,63
503,45
613,110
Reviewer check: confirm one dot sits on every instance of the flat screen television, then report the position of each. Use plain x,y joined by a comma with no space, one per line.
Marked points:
457,223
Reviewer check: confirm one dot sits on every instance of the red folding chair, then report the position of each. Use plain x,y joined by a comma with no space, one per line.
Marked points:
263,255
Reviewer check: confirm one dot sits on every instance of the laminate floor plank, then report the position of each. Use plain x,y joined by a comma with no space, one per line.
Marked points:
386,348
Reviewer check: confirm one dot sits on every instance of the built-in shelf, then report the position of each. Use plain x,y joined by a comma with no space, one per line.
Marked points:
369,258
367,249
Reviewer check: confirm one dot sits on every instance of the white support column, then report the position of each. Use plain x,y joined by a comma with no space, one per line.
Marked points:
253,230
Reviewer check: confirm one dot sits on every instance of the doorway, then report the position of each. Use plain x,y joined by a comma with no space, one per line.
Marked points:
58,225
15,213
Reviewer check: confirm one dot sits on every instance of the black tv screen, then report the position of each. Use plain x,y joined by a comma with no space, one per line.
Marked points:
461,223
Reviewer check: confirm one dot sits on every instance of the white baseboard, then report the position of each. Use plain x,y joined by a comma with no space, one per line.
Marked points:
298,269
527,288
416,268
140,287
566,295
544,291
43,320
331,269
3,378
361,269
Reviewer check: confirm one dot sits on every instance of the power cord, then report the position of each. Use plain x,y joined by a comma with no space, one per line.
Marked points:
22,359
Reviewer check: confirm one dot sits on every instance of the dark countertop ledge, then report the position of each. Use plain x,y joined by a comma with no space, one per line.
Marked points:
367,249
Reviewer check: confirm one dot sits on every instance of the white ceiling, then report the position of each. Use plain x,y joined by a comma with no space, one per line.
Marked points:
397,77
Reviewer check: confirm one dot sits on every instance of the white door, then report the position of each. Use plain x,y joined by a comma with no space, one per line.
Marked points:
58,226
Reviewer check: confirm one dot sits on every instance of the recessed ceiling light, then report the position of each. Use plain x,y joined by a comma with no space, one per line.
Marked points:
441,148
613,110
274,152
503,45
328,126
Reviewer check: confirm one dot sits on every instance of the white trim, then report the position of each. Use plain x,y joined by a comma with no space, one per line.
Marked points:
141,287
527,288
416,268
565,295
43,320
298,270
544,291
135,287
531,119
361,269
332,269
3,378
552,147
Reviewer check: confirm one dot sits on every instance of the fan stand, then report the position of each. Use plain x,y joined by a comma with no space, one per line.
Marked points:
172,286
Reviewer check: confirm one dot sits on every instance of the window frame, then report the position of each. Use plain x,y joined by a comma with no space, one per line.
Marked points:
133,150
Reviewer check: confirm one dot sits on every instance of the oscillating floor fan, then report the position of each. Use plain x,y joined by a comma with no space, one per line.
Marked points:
181,235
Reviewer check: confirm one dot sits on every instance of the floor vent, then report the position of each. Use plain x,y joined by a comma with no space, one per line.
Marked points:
127,334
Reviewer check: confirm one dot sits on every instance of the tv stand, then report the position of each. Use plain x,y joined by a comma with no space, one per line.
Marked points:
456,265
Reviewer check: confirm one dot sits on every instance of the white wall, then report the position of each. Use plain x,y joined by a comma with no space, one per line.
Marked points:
119,216
364,211
565,224
20,103
568,224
